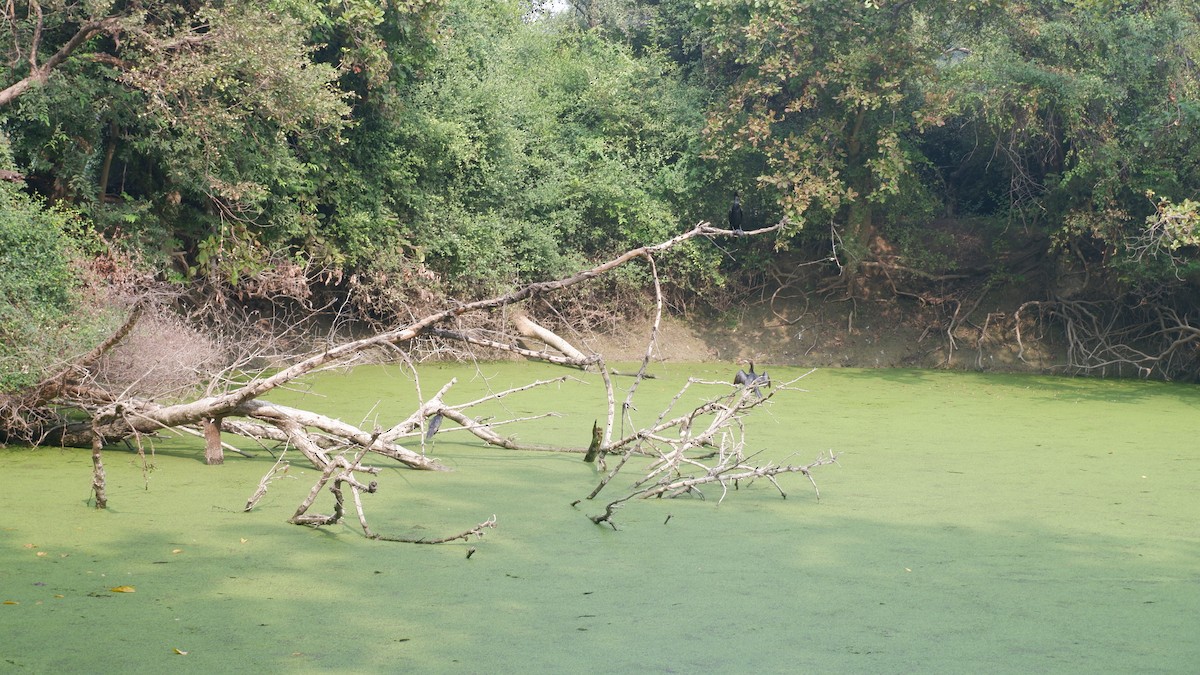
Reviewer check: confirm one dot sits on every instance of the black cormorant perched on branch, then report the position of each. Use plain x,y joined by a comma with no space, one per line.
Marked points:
752,379
735,215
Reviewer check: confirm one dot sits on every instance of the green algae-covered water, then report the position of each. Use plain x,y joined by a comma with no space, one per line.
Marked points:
976,523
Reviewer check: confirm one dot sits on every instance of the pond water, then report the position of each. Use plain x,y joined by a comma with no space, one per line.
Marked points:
975,523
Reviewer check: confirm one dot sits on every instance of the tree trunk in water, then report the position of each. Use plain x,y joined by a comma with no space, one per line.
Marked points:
98,472
213,452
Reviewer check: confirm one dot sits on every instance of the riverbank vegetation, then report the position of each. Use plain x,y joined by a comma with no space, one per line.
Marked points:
286,164
376,156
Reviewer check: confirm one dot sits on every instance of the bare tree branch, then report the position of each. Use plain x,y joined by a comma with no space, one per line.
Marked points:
38,74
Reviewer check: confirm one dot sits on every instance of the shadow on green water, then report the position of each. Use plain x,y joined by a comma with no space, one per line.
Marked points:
974,524
1048,386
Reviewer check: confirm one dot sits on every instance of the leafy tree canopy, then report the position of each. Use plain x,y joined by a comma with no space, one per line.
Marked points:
472,144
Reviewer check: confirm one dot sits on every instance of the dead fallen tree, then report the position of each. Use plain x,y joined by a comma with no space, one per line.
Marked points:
99,417
700,447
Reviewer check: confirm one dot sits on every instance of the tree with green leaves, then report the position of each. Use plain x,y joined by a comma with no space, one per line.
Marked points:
1089,110
826,102
202,130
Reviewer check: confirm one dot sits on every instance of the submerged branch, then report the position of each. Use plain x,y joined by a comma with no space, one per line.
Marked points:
478,531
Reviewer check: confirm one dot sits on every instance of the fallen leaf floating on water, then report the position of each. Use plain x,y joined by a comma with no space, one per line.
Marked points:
180,651
244,540
11,602
30,545
41,554
123,589
176,550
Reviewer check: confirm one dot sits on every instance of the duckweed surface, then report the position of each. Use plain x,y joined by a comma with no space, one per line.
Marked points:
976,523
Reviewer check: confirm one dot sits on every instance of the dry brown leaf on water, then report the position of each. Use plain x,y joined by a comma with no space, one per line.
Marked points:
176,550
180,651
123,589
30,545
41,554
11,602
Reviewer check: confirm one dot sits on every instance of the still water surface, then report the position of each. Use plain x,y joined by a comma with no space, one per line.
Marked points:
976,523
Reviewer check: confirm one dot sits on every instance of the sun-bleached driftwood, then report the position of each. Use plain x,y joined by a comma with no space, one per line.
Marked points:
532,329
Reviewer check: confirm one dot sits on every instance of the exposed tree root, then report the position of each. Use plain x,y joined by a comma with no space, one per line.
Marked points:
1148,338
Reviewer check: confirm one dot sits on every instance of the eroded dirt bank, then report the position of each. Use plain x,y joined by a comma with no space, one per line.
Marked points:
859,334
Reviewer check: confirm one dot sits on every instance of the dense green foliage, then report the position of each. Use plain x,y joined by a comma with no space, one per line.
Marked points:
1093,113
473,144
39,319
540,149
